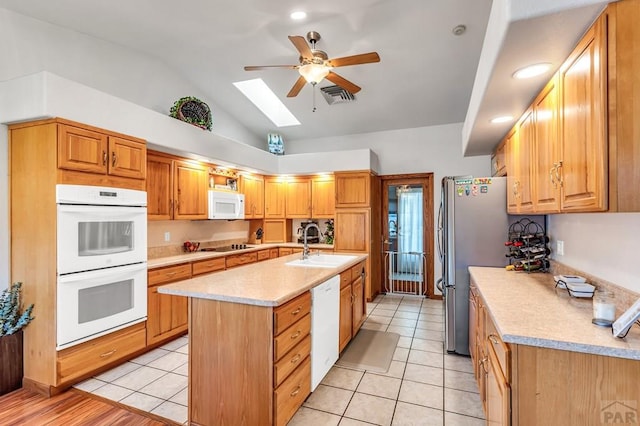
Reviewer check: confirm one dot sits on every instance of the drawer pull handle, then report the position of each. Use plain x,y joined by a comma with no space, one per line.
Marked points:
295,391
295,359
295,335
104,158
114,159
106,354
493,339
170,274
297,311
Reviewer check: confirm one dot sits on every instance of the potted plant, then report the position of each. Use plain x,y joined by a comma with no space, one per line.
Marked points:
12,321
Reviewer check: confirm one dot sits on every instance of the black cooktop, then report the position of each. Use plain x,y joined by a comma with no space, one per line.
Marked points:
232,247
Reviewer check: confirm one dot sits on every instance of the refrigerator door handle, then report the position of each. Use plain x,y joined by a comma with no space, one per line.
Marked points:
440,229
439,285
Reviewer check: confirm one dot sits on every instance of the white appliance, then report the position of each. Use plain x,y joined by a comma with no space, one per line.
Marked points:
325,328
225,205
101,260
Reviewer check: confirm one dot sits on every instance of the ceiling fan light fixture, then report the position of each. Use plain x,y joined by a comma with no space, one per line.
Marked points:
532,71
314,73
298,15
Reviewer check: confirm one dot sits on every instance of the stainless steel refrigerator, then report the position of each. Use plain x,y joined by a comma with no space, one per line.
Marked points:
472,227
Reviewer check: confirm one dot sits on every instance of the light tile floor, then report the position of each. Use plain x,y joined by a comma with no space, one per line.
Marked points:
424,384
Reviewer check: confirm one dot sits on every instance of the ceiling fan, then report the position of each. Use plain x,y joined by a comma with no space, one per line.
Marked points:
315,65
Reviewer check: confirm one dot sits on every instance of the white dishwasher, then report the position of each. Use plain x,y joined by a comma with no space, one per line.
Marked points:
325,328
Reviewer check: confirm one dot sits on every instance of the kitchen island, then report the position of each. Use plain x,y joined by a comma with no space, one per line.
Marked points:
539,360
249,343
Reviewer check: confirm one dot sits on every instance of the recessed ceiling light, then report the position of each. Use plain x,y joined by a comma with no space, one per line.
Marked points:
532,70
502,119
459,29
263,97
298,15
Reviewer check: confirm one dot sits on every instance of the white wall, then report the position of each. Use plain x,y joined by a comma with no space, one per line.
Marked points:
604,245
435,149
4,208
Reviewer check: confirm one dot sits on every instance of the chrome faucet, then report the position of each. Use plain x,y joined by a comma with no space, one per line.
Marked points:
305,250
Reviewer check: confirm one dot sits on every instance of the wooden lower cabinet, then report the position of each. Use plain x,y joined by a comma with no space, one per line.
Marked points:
255,364
167,315
352,303
241,259
498,394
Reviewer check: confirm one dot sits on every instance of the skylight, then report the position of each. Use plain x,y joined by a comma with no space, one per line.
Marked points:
262,97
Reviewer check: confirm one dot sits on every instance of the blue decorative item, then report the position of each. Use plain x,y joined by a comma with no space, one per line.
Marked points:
275,143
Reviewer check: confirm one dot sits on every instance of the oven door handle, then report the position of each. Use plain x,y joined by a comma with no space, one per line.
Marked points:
100,273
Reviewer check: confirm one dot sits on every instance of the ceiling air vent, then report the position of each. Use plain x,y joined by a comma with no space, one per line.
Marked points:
337,95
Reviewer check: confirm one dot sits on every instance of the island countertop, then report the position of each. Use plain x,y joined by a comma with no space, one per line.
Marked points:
268,283
527,309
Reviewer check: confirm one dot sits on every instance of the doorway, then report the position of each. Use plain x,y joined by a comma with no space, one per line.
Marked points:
408,233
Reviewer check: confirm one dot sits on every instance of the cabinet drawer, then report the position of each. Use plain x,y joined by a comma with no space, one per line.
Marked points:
168,274
501,349
273,253
86,357
290,312
291,337
290,395
209,265
291,360
263,255
285,251
356,271
241,259
345,278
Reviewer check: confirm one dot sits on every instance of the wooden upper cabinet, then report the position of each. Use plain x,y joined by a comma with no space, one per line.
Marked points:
190,185
127,158
525,162
91,151
274,198
298,203
353,189
583,106
82,149
252,186
352,230
546,149
498,162
159,187
323,197
511,156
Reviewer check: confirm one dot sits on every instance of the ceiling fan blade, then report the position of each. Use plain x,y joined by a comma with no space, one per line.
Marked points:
364,58
299,84
342,82
264,67
303,47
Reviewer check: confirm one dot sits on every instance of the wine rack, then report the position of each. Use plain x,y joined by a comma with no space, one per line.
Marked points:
528,246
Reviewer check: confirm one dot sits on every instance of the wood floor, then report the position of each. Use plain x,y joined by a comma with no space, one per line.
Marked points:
73,407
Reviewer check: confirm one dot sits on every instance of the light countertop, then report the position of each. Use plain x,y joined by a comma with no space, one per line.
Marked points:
267,283
527,309
202,255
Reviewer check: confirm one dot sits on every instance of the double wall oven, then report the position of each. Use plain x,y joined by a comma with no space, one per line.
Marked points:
101,261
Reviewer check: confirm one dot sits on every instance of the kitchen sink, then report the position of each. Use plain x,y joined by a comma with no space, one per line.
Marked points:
322,261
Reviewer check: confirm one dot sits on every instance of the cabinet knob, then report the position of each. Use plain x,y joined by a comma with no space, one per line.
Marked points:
104,158
114,159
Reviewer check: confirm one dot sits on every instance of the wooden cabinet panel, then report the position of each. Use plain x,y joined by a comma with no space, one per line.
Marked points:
498,161
290,312
346,316
352,231
82,359
168,274
276,230
252,186
286,340
298,203
511,154
127,158
583,107
292,393
353,189
359,306
473,329
190,190
323,197
159,187
208,266
275,194
273,253
291,361
263,255
167,316
285,251
498,409
241,259
546,173
524,174
82,149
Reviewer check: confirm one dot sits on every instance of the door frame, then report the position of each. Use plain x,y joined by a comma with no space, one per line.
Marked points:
426,181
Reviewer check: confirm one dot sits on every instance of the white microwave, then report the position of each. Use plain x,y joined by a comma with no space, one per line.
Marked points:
225,205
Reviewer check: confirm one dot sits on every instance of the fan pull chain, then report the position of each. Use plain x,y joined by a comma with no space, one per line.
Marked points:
314,98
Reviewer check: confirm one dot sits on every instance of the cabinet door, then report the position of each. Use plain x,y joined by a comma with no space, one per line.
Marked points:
323,197
346,315
357,289
159,188
82,150
511,155
498,408
498,165
190,191
546,149
352,230
525,161
353,189
275,231
167,315
584,112
298,203
127,158
473,330
253,190
274,198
